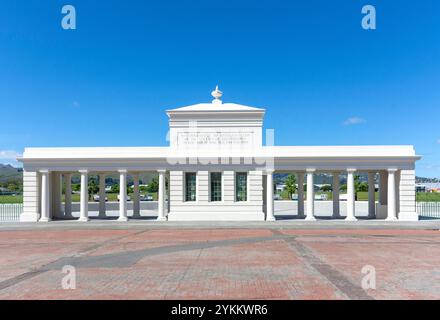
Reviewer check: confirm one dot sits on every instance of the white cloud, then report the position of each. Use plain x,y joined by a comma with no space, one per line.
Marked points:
76,104
9,154
9,157
353,121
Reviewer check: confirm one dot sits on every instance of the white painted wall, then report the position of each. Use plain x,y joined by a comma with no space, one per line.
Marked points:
31,196
407,195
226,210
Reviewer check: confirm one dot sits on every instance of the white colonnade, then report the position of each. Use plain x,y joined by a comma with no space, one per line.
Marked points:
49,202
388,191
388,194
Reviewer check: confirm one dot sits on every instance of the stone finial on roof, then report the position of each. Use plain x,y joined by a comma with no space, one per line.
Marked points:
217,94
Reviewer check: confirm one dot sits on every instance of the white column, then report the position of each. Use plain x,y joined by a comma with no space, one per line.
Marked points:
269,196
102,195
122,195
300,195
310,196
84,199
335,190
68,196
392,213
350,195
371,196
45,199
136,200
161,196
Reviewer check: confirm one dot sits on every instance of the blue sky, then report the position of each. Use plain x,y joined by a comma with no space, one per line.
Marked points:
323,79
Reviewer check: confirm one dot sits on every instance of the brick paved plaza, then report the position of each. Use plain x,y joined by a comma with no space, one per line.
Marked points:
149,261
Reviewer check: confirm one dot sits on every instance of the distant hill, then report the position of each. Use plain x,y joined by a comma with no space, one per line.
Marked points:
8,173
427,180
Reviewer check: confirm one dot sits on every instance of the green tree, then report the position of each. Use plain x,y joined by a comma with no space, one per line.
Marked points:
13,187
362,187
290,185
359,186
153,186
326,188
93,188
114,188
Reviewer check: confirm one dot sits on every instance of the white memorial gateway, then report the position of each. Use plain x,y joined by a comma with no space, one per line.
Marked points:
218,169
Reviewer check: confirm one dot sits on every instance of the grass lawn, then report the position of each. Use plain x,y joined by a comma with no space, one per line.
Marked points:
426,196
75,198
361,196
11,199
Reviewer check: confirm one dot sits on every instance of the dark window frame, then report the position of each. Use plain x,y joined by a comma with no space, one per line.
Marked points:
215,191
241,186
190,186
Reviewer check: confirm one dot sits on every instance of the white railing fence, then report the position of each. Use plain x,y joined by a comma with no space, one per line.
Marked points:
428,209
10,212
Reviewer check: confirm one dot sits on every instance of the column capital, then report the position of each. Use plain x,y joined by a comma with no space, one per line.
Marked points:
269,171
44,171
392,170
310,170
162,170
122,170
351,170
83,171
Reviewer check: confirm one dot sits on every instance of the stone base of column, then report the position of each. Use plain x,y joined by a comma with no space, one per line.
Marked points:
271,218
83,219
310,218
391,219
161,219
408,216
351,219
123,219
44,219
29,217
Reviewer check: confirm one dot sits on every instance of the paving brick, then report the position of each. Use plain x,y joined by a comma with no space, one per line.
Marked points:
226,263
